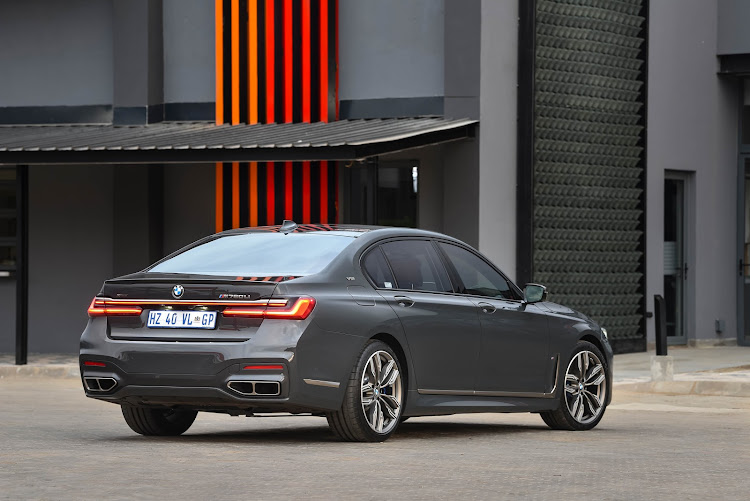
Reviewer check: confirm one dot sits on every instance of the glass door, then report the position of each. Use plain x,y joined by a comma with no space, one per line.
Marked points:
675,260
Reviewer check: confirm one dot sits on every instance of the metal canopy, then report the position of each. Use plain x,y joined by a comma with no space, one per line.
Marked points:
205,142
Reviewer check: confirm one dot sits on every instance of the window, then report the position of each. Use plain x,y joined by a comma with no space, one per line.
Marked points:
8,221
259,255
416,266
377,269
478,277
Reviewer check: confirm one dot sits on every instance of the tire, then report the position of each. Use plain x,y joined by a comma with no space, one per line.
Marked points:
371,412
582,400
151,421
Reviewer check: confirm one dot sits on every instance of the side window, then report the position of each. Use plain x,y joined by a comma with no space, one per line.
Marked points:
416,266
377,269
479,278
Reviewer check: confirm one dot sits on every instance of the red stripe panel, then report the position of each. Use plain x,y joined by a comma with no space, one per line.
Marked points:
306,61
323,62
270,55
288,193
270,192
324,191
306,191
288,71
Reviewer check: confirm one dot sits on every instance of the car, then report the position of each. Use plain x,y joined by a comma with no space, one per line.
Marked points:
364,325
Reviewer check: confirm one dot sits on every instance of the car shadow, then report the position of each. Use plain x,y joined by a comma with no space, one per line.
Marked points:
412,430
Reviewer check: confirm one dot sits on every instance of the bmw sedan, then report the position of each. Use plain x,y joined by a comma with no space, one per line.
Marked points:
366,326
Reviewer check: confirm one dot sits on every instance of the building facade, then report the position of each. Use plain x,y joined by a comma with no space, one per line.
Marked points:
591,145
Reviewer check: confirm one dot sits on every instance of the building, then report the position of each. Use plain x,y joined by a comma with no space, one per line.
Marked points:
595,146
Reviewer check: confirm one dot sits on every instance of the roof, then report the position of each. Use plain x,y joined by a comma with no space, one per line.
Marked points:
204,142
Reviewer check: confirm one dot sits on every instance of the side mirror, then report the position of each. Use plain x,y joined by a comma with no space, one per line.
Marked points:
534,293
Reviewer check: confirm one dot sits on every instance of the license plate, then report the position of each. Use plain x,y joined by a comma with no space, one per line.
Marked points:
181,319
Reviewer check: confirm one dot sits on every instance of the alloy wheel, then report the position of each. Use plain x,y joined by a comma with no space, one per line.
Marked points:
381,392
585,387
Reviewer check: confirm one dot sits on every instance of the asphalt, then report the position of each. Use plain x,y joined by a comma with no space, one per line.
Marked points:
717,371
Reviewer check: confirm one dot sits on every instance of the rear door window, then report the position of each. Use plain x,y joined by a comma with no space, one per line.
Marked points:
416,266
377,269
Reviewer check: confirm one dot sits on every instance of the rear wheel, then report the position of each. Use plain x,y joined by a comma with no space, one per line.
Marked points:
582,401
374,397
157,421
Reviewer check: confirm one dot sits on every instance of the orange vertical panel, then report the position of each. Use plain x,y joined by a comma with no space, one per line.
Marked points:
235,62
219,27
305,62
253,195
219,197
252,61
270,55
235,195
324,61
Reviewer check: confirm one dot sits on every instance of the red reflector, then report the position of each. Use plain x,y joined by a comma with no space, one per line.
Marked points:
101,307
263,368
299,310
95,364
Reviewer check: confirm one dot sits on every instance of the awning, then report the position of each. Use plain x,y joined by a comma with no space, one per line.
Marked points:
205,142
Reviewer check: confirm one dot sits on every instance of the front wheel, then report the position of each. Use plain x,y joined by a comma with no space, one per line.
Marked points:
157,421
374,397
583,399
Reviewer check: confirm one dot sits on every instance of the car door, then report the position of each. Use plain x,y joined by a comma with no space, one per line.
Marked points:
441,328
514,355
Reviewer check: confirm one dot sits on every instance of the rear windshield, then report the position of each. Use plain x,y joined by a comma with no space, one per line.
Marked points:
258,255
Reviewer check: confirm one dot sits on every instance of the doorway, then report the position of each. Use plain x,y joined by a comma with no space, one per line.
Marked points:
743,234
382,193
676,269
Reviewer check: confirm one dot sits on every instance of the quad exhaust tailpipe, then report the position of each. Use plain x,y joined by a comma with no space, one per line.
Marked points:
256,388
99,383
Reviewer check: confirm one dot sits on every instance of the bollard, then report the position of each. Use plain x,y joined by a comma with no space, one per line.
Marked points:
660,312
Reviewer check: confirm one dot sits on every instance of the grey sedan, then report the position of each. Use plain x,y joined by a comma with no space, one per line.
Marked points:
366,326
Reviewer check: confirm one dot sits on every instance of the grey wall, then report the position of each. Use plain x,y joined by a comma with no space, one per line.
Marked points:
497,137
55,53
692,128
189,51
70,251
390,49
462,59
733,35
189,204
7,315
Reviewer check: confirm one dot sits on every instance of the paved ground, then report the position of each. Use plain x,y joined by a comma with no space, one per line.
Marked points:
56,444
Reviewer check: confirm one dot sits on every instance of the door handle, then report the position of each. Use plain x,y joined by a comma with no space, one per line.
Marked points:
487,307
404,301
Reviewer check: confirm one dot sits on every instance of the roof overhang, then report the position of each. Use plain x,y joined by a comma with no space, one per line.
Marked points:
204,142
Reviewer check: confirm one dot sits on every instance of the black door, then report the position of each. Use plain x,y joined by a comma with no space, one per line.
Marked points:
442,329
514,354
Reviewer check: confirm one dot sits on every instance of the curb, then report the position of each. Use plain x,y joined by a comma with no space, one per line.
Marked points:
58,371
713,388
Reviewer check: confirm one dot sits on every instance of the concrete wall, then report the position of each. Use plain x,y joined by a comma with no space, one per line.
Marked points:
189,204
497,137
189,46
7,315
70,250
390,49
692,128
733,35
55,53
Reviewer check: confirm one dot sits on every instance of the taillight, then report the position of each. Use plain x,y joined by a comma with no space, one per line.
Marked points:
101,307
300,309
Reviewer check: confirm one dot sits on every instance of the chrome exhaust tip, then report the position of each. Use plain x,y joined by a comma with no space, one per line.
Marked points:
99,383
256,388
